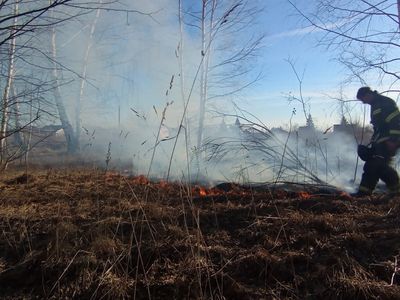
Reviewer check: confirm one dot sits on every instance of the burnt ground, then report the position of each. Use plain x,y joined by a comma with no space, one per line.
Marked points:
90,235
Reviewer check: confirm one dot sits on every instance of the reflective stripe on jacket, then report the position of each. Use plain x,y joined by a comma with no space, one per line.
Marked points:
385,118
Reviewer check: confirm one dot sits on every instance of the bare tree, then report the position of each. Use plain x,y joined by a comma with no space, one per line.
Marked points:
227,50
84,74
32,16
66,124
64,74
365,34
7,89
33,70
22,23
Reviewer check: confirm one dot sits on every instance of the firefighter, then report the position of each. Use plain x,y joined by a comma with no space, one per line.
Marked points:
385,119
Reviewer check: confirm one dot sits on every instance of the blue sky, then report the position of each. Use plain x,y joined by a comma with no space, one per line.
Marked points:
287,37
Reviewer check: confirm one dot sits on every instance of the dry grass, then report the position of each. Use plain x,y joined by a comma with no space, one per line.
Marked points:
84,234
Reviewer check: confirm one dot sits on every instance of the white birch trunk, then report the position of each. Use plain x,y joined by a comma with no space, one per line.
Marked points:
206,52
398,12
28,142
183,95
7,89
78,107
65,123
202,75
17,121
180,53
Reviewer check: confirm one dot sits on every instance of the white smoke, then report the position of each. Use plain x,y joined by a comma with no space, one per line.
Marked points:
132,105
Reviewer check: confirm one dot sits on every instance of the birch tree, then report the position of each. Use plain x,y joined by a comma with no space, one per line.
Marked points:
73,129
228,50
29,31
7,89
83,76
19,22
70,137
59,70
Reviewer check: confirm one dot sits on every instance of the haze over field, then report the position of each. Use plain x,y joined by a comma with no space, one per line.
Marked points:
153,83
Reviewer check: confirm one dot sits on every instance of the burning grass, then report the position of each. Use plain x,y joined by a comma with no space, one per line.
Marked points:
86,234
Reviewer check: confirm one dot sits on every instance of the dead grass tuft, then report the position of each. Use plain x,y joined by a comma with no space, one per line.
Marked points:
20,179
105,246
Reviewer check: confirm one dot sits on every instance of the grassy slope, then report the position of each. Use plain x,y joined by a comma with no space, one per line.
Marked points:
83,234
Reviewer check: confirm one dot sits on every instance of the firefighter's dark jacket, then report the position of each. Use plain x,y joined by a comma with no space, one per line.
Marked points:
385,119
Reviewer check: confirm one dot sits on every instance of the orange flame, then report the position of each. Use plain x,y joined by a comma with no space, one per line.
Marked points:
163,184
304,195
202,192
141,179
345,195
111,176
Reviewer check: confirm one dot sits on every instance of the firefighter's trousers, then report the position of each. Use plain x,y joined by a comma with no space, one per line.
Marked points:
379,166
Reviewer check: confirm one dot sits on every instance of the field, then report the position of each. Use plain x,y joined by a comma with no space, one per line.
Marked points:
90,234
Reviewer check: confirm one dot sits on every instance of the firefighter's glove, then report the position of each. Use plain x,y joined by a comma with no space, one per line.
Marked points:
364,152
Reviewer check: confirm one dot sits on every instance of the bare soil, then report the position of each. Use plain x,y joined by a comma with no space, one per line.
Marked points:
94,235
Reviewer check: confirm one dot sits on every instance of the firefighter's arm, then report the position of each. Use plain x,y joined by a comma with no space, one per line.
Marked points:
390,124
